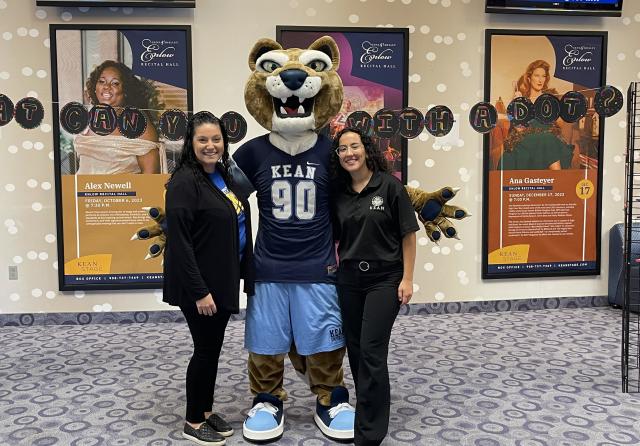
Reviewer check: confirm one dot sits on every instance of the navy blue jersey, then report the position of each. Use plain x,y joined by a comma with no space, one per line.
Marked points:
294,242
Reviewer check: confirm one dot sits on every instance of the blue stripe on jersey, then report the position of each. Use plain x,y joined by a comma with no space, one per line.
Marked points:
294,241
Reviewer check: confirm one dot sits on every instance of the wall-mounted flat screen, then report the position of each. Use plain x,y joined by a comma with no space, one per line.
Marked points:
120,3
611,8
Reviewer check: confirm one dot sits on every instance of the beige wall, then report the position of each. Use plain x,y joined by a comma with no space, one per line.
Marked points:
446,67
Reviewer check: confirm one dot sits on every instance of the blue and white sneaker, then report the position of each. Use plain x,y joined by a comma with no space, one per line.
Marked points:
336,421
265,420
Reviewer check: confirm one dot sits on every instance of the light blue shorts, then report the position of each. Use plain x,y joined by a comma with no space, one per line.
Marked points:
281,313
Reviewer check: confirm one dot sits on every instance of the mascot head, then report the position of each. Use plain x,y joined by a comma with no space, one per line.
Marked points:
294,90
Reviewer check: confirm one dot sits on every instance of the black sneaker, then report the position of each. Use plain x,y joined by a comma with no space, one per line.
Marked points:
204,435
219,425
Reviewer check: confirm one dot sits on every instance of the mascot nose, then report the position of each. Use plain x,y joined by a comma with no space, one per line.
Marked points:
293,79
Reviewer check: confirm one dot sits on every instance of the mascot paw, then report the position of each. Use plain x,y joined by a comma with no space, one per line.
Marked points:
155,232
434,212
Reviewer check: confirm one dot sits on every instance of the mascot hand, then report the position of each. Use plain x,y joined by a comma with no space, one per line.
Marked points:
434,212
155,232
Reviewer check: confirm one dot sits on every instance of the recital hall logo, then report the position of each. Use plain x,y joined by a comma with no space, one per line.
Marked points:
377,203
578,57
158,53
377,55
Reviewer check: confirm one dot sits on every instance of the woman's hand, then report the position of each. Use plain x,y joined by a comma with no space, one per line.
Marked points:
405,291
206,305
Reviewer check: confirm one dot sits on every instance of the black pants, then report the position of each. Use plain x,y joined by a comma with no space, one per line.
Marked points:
207,333
369,305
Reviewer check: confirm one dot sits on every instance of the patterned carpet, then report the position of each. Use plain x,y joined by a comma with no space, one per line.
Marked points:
527,378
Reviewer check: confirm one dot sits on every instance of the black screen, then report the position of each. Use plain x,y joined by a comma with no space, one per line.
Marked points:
567,7
122,3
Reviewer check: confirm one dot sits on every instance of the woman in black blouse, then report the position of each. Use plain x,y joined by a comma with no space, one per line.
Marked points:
208,251
375,225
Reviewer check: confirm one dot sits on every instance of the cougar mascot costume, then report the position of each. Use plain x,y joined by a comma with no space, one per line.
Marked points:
293,93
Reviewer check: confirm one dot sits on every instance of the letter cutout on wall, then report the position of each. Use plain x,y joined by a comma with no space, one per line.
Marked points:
173,124
29,113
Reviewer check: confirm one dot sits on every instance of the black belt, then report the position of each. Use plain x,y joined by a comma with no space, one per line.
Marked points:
366,265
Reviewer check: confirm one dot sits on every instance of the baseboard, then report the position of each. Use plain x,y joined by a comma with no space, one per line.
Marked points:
140,317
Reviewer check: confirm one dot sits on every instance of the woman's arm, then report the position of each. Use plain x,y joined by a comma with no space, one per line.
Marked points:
150,133
405,289
150,161
180,257
405,218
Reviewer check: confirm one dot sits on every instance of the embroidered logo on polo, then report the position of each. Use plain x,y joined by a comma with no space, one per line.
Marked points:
377,203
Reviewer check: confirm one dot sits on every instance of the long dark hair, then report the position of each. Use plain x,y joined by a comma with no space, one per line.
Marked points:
140,93
188,157
374,159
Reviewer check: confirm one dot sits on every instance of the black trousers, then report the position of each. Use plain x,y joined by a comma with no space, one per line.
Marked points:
369,305
207,333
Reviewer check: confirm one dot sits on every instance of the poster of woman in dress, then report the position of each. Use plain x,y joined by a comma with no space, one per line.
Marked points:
542,177
111,86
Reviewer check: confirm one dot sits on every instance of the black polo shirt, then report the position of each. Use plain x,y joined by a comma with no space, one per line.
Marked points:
370,225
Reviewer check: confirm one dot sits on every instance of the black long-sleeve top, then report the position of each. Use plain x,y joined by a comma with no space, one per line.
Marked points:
201,255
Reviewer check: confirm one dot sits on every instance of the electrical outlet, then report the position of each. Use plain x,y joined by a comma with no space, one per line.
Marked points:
13,272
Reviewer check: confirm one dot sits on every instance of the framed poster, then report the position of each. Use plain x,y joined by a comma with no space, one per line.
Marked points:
542,170
112,154
374,64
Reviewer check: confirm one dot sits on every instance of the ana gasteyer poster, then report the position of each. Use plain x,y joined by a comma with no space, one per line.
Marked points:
542,178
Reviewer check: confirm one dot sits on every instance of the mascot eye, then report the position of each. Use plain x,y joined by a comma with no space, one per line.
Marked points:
269,66
317,65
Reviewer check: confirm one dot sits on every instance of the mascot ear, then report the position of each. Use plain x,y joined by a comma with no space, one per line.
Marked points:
262,46
328,46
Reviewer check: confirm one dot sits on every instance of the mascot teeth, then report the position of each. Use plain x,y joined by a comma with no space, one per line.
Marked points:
293,107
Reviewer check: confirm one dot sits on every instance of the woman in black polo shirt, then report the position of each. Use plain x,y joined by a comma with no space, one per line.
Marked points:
375,225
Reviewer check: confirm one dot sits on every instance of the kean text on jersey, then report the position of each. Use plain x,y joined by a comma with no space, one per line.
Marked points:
289,171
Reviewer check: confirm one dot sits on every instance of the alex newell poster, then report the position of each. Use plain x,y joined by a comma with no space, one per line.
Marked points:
543,161
111,84
374,70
